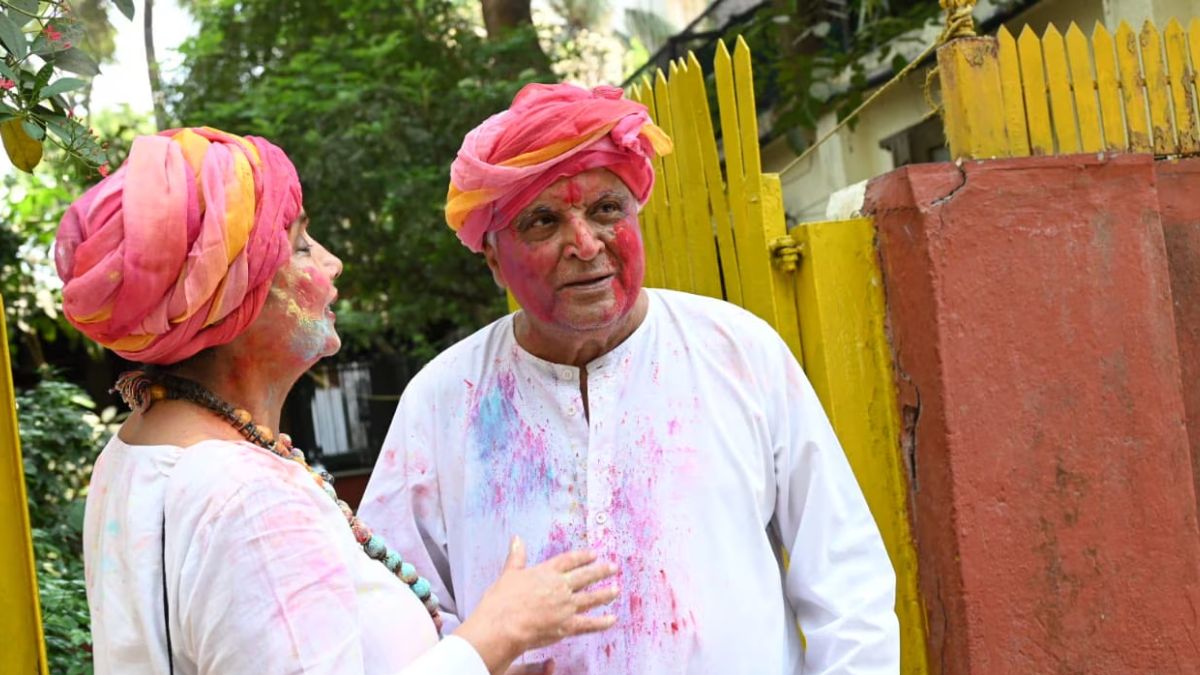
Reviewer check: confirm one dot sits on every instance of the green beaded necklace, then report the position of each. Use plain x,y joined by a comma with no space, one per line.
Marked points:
140,389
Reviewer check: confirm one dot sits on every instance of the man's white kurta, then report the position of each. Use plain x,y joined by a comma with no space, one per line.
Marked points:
705,452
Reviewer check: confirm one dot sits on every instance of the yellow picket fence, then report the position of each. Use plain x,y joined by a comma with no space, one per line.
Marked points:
1063,94
710,233
715,226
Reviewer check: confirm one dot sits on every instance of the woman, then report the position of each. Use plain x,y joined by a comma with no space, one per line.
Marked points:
210,546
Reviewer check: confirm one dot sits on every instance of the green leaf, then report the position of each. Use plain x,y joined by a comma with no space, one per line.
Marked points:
76,61
75,512
62,85
35,132
42,78
12,37
126,7
68,131
23,7
81,399
7,72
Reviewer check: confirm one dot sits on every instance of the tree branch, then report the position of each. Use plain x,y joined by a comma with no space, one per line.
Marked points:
156,94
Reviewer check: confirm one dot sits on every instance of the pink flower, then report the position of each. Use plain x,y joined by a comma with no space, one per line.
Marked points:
51,34
6,84
103,169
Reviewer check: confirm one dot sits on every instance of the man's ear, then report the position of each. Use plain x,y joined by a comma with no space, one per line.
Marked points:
489,254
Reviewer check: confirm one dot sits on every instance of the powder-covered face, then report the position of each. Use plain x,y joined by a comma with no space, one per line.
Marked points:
573,258
301,293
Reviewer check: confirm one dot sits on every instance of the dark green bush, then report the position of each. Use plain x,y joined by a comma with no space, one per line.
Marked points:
60,435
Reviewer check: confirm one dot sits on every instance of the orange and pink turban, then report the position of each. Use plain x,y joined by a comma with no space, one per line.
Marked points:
549,132
175,251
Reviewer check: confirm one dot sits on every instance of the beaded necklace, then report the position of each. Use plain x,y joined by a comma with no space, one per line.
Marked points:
140,390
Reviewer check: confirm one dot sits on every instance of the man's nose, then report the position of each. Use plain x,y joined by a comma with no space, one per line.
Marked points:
584,243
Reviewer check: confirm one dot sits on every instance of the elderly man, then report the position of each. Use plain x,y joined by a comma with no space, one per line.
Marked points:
673,434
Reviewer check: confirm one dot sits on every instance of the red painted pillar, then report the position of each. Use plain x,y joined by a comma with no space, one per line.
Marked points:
1179,208
1053,502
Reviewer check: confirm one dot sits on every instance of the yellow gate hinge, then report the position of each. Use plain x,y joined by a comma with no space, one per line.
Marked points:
786,252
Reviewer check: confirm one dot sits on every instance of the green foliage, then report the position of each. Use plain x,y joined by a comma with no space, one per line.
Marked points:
371,99
803,48
65,621
60,434
39,43
31,206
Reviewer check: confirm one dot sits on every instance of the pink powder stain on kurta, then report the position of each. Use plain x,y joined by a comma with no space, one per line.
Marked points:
648,617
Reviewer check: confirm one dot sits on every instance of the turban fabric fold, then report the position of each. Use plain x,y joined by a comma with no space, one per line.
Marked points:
549,132
175,251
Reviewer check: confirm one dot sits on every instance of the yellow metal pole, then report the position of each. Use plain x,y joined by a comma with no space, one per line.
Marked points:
20,609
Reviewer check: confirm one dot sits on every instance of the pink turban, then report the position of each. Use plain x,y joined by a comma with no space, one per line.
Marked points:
551,131
175,251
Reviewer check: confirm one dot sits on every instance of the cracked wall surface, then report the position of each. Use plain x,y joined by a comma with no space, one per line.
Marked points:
1032,319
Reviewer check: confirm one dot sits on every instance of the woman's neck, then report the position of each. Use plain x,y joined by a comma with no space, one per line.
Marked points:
244,383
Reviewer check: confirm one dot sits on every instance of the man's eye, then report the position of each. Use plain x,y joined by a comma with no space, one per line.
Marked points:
538,222
608,209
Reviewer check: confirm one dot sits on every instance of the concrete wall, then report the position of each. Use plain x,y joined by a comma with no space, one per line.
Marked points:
1032,317
1179,209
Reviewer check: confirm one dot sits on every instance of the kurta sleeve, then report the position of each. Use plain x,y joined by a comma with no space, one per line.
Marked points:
839,581
403,503
264,588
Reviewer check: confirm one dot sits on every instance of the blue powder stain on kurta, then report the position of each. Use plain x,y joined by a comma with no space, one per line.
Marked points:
495,424
511,457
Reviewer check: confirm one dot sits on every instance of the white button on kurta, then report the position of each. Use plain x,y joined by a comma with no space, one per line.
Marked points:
705,452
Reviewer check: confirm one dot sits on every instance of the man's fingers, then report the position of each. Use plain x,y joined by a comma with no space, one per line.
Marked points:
591,624
516,555
593,599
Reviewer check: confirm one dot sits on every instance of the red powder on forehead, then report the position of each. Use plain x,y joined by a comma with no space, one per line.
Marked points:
574,193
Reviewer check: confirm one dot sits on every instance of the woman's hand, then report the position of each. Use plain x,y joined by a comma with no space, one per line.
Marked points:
531,607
